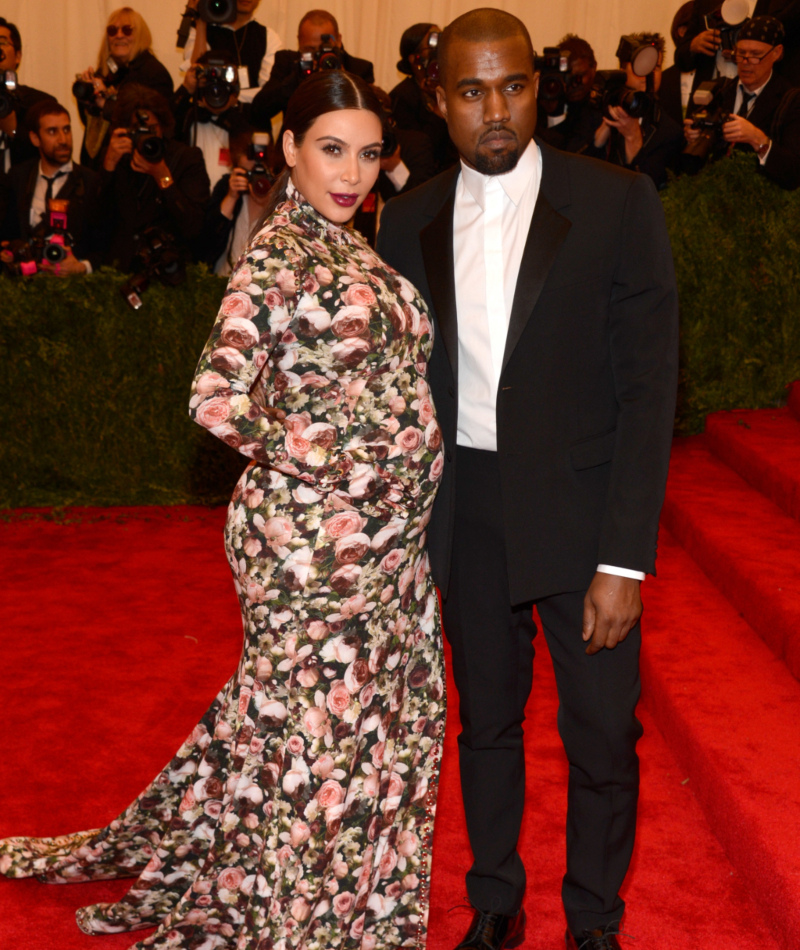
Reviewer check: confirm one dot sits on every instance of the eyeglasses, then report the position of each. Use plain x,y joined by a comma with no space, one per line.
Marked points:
753,59
4,43
126,30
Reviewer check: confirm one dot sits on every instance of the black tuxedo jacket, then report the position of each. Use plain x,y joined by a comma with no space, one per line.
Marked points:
285,78
586,397
81,189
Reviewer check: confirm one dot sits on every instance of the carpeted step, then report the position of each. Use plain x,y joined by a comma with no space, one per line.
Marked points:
763,446
794,398
746,545
730,710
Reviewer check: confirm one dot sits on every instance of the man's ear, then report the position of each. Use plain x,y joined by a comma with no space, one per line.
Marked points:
441,101
289,148
778,52
35,140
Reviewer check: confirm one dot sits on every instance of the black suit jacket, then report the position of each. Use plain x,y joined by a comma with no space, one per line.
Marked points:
285,78
21,147
81,189
586,397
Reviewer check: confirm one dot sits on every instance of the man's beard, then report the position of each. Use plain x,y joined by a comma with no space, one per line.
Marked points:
496,163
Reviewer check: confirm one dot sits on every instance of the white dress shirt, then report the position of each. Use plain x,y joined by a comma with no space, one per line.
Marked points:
491,220
246,92
38,209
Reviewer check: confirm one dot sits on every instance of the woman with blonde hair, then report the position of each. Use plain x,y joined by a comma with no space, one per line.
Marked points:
125,56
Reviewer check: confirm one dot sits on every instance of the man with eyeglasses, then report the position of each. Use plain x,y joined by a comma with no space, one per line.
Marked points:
764,108
15,146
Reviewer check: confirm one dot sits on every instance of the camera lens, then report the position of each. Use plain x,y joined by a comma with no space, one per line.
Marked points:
151,148
54,252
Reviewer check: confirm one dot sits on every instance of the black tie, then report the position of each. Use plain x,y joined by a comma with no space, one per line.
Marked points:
48,195
747,98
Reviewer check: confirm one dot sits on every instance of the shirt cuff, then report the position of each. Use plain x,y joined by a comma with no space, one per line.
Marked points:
247,95
88,266
399,176
620,571
763,158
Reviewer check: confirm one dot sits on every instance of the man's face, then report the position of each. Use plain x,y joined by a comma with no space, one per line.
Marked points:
9,57
247,7
581,77
54,140
309,36
119,45
489,101
639,83
754,75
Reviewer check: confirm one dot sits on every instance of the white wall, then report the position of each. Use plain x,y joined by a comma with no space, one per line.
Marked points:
61,37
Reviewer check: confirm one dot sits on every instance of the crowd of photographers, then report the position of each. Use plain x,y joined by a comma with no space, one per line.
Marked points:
167,176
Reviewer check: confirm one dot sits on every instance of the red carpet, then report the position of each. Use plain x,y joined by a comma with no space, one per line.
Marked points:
121,625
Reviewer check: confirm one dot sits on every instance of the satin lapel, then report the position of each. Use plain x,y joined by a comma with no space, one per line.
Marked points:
436,240
546,235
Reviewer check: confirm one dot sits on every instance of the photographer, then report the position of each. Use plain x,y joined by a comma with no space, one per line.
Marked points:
319,47
413,100
149,179
125,58
15,146
676,86
637,133
758,112
53,176
249,44
236,204
567,119
207,111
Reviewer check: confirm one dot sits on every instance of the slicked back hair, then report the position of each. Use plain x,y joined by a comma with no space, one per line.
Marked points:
485,25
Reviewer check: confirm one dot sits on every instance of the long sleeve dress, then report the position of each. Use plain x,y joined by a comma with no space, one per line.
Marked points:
299,812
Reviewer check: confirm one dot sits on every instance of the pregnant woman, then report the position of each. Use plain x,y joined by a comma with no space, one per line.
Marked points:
299,812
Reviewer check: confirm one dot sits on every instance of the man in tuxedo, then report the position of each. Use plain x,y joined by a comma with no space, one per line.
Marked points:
54,176
550,282
15,146
317,30
764,108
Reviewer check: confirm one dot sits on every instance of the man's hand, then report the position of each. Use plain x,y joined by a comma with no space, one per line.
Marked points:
707,42
119,144
156,170
738,129
690,133
611,607
190,79
66,268
629,129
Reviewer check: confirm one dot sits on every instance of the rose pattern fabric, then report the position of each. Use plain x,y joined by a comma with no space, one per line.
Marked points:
299,812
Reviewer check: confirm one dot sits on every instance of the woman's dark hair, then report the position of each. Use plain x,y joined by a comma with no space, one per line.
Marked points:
323,92
133,96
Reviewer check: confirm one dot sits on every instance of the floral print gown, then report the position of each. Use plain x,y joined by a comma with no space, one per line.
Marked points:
298,813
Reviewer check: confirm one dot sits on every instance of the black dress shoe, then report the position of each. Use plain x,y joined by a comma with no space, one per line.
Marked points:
494,931
603,938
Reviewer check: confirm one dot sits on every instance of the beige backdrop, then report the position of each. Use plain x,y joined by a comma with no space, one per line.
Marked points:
61,37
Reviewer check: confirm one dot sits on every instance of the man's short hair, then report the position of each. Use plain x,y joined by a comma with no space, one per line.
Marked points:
577,48
34,115
16,39
644,38
318,17
485,25
133,96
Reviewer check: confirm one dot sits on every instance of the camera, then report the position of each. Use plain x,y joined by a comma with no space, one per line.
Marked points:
326,57
156,257
49,242
209,11
260,177
709,119
8,92
83,92
555,79
643,57
426,63
728,18
217,81
610,89
149,145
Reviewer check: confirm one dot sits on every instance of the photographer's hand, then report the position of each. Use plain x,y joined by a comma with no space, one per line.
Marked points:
159,171
190,79
238,185
706,43
629,128
602,133
118,145
66,268
690,133
737,129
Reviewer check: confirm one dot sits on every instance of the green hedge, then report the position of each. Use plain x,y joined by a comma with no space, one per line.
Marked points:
96,395
736,241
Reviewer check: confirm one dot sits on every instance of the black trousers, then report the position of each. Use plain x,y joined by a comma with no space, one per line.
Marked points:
492,645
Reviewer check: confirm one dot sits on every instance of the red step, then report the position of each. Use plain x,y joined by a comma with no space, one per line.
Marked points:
730,710
746,545
794,398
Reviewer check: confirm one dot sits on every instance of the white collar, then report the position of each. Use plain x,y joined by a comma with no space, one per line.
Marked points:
514,183
754,92
64,169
